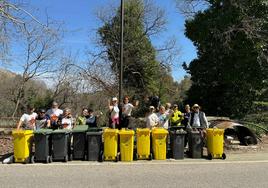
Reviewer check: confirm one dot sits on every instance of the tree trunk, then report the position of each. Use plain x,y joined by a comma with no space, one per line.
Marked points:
18,100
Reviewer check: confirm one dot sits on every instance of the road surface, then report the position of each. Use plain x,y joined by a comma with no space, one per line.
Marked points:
216,173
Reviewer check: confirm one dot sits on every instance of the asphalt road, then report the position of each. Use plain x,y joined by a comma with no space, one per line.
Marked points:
138,174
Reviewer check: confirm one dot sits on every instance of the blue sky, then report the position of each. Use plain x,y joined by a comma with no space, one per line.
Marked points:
80,21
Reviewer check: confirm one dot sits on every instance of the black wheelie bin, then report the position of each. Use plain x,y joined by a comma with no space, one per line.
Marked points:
94,144
42,142
177,143
79,142
195,144
61,140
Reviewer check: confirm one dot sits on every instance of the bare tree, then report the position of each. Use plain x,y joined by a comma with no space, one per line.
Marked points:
13,21
39,48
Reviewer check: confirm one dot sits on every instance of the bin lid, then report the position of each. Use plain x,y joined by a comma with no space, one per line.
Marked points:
110,131
22,132
61,131
180,131
194,132
159,131
143,130
80,128
94,129
126,132
173,128
215,131
94,133
43,131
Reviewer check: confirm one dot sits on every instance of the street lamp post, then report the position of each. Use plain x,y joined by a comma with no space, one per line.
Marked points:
121,52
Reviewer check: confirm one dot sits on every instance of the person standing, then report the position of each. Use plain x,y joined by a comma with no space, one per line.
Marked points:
91,119
28,120
42,120
197,118
176,117
152,119
163,117
54,114
114,113
127,110
66,119
81,120
186,115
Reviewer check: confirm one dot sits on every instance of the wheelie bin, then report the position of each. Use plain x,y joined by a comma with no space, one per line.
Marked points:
22,140
177,143
110,144
195,144
42,143
94,144
79,142
61,139
159,136
215,142
143,144
126,144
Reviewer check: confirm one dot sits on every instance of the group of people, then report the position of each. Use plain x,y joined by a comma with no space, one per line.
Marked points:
157,116
119,116
172,117
55,118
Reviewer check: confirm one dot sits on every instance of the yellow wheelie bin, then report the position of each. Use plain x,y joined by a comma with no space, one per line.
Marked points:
159,136
126,144
22,140
215,143
143,144
110,137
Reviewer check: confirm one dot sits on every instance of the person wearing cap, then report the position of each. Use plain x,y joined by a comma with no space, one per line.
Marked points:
176,117
42,120
54,114
197,118
114,113
152,119
28,119
126,111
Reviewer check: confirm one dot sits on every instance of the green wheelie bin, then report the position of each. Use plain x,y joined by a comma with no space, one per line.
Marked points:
61,139
42,143
79,142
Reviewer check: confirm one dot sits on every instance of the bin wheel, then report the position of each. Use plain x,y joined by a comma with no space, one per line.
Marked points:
223,156
50,159
47,159
71,157
136,157
117,158
27,160
209,156
66,158
101,157
150,157
32,159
